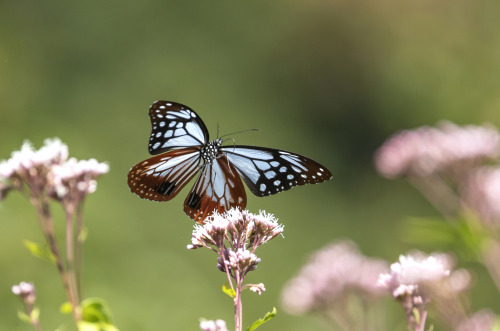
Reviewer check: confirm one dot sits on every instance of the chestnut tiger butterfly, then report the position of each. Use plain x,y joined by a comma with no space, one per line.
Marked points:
180,142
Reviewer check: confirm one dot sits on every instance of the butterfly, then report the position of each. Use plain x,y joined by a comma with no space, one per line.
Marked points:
180,142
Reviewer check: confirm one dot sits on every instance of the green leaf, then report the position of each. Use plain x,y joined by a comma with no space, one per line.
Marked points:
83,235
263,320
416,315
228,290
66,308
41,252
35,314
460,235
95,310
24,317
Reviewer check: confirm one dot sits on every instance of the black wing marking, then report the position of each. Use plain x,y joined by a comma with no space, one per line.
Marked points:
268,171
161,177
218,188
175,126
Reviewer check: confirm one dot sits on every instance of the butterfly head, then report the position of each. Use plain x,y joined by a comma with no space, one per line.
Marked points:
210,151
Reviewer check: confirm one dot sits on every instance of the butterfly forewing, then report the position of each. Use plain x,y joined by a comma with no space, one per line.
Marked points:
268,171
161,177
175,126
218,188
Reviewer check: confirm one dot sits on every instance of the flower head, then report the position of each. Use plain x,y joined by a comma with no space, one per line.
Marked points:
257,288
234,236
483,320
76,178
48,171
217,325
417,279
329,276
26,291
482,194
241,228
242,260
426,150
30,166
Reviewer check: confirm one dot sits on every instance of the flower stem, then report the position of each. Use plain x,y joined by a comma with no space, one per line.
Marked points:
43,210
238,306
79,247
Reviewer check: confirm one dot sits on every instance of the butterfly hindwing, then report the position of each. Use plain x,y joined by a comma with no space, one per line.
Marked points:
161,177
218,188
175,126
268,171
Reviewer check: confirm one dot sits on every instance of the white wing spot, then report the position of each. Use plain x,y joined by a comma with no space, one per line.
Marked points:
159,116
262,187
162,124
289,177
158,135
321,169
169,104
270,174
262,165
161,107
303,176
171,124
155,146
179,125
275,163
277,182
283,169
179,132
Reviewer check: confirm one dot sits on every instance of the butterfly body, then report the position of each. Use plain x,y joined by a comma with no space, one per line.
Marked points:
181,141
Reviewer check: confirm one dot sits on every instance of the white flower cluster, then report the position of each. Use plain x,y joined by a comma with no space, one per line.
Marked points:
49,170
425,150
79,175
241,226
410,271
217,325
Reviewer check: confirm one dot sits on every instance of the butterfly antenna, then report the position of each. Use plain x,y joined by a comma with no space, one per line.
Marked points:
238,132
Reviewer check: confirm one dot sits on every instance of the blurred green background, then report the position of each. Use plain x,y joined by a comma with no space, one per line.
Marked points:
328,79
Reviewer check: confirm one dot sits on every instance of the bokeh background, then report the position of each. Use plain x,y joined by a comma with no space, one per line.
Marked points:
329,79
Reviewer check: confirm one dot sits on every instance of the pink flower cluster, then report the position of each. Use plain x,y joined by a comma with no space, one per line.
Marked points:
426,150
482,194
329,276
48,170
418,279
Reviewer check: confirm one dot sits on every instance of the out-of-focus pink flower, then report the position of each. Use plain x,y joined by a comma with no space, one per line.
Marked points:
26,291
329,275
482,194
426,150
483,320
